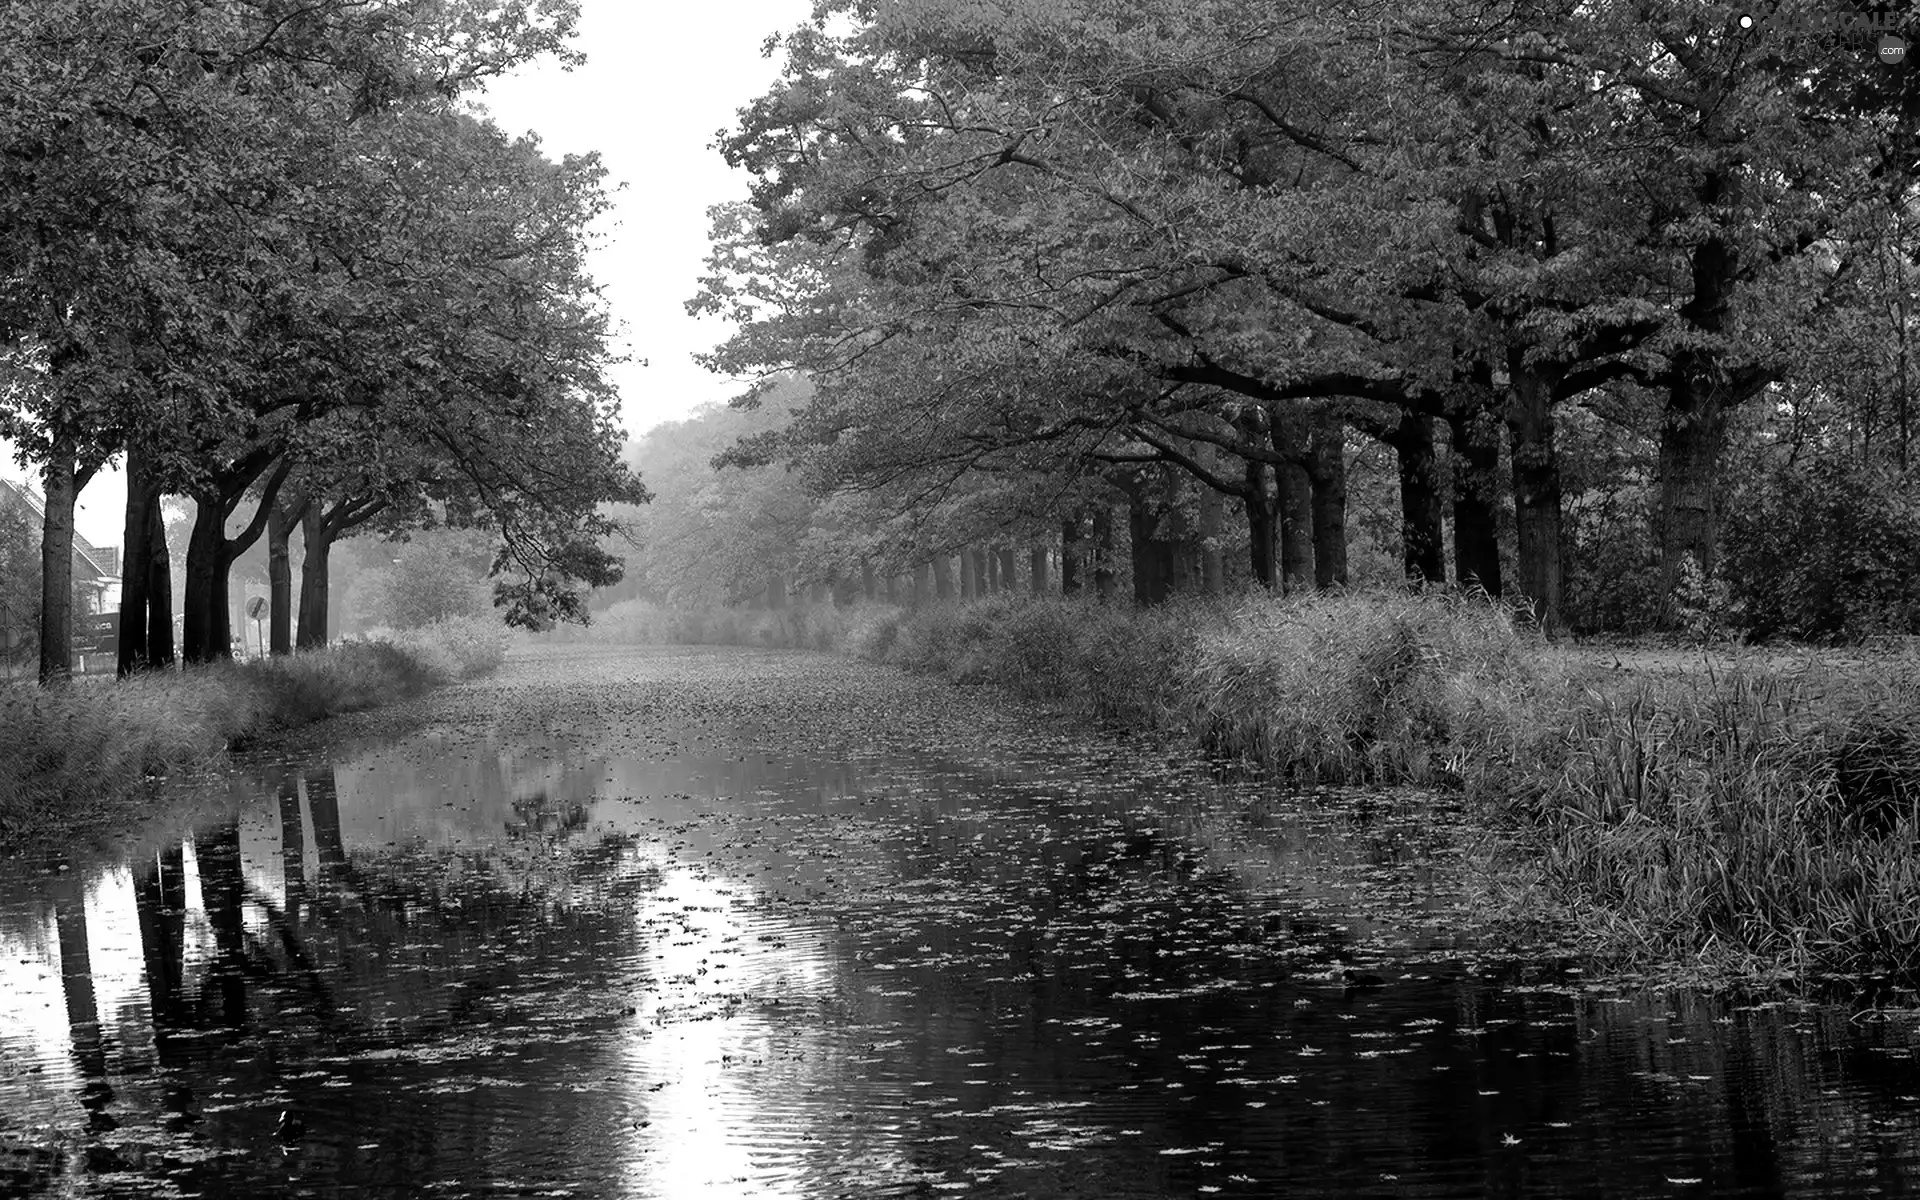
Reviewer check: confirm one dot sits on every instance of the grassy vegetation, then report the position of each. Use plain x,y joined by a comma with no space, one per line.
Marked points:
800,626
1748,817
73,755
1730,814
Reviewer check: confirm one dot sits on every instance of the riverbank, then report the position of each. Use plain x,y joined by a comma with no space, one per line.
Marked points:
1747,815
76,758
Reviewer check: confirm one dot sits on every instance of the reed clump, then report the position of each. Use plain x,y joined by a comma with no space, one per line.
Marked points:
1752,815
1385,688
70,754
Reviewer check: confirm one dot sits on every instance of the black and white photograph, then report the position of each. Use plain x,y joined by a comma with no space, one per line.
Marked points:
1034,599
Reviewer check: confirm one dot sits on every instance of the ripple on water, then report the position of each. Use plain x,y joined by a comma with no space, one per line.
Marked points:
747,924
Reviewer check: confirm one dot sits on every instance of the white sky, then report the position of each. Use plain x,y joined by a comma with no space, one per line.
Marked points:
659,82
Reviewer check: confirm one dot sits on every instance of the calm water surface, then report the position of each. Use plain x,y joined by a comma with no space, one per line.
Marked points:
704,923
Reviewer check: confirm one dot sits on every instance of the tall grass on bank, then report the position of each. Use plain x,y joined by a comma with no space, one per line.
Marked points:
1387,688
1110,662
1748,819
68,753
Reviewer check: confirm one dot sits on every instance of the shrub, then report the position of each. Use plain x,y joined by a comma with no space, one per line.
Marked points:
1108,661
437,575
1825,551
1613,571
455,648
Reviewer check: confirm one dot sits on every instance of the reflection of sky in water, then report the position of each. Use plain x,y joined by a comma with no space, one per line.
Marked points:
718,973
705,1135
34,1019
33,1015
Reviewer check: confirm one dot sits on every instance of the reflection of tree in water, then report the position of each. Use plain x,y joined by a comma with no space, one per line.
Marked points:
83,1014
539,815
446,1016
420,929
413,1005
1106,975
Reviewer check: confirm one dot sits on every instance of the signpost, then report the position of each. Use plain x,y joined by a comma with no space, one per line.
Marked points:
257,609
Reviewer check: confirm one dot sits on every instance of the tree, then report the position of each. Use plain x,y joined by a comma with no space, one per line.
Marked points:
19,586
436,575
1009,225
153,205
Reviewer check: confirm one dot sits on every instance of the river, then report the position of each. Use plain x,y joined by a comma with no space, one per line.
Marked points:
689,923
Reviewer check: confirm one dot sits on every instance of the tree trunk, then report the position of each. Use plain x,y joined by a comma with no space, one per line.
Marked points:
1296,527
776,591
56,567
1072,555
1037,569
1153,551
1105,578
199,639
1263,523
316,551
1693,435
280,521
136,577
1693,430
1327,468
943,576
979,558
1476,500
1008,560
1288,437
869,582
969,587
1536,491
208,634
159,568
1260,497
210,552
893,589
1422,535
920,574
1213,519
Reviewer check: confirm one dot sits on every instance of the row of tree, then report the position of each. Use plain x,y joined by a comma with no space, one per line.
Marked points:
1580,273
268,255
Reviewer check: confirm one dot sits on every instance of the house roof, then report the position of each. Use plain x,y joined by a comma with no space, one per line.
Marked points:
100,562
